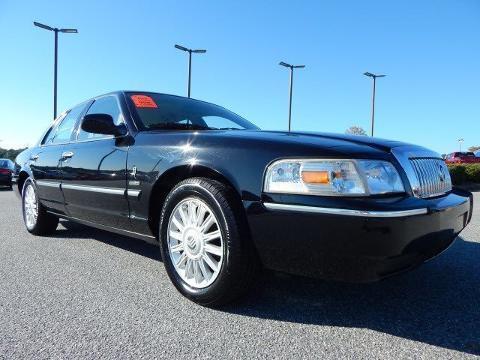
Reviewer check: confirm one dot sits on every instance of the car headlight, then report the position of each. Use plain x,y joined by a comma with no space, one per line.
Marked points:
332,177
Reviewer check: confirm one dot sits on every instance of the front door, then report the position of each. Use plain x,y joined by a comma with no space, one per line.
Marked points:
94,177
46,161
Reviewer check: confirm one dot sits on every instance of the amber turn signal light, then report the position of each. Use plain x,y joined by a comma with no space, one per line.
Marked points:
315,177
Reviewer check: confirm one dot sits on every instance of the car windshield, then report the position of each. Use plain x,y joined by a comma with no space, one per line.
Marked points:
465,154
159,111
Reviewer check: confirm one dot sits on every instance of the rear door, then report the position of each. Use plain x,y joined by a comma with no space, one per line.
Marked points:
94,177
47,159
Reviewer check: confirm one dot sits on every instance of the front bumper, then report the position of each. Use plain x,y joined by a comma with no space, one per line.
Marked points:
359,241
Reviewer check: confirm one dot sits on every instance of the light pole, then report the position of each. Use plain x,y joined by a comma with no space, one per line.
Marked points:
460,141
291,67
374,77
190,51
56,31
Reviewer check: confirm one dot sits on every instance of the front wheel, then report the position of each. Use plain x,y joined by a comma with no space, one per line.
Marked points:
37,220
205,242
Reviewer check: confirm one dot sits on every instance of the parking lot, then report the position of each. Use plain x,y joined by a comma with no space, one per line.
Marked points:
88,293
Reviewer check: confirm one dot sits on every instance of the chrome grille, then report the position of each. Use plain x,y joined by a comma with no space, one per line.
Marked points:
432,175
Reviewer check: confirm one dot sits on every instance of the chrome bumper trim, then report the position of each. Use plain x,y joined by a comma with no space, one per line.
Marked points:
345,212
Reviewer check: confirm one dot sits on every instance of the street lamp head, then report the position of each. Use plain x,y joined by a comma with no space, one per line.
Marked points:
199,51
43,26
46,27
69,31
285,64
298,66
179,47
369,74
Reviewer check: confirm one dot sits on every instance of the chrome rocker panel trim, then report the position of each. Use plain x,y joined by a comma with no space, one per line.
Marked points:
98,189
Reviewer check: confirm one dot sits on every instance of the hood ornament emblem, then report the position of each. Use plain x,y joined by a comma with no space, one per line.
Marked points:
441,173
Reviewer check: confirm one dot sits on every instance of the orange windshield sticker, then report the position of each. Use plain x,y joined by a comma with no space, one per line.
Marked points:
143,101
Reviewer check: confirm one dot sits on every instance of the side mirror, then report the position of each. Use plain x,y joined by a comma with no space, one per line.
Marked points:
102,124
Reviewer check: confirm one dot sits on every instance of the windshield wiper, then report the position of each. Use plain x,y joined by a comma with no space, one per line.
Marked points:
225,128
176,126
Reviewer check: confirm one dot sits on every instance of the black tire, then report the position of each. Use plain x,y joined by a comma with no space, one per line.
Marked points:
46,223
240,265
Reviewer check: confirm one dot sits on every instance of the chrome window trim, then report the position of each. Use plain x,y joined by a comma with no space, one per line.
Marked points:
345,212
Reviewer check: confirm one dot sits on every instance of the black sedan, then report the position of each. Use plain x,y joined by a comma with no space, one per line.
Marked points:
224,199
6,171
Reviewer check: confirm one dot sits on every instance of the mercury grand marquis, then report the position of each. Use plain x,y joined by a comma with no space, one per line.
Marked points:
224,199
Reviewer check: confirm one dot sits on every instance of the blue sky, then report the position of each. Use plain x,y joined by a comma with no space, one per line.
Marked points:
429,49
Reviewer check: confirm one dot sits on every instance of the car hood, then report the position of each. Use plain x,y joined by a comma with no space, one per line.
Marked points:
299,143
325,140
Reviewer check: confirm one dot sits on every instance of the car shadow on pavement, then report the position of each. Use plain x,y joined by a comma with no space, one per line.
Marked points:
437,304
72,230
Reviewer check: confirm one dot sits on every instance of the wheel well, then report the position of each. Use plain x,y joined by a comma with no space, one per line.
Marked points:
172,177
21,180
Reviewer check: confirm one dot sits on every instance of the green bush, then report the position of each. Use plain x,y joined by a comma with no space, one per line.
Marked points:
462,173
473,172
458,174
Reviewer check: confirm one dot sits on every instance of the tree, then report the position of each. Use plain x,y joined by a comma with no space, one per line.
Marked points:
473,148
355,130
10,153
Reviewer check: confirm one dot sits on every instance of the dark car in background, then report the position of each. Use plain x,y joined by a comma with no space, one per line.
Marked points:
7,168
224,199
465,157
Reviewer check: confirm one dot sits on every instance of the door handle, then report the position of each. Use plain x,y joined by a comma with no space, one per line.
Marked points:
67,155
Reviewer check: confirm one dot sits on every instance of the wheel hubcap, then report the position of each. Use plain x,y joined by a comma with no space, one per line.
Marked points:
195,242
30,207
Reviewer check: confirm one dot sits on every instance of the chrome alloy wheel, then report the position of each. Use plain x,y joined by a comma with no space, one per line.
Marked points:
30,207
195,242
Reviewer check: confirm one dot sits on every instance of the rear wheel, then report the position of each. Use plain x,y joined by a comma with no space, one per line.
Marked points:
37,220
204,241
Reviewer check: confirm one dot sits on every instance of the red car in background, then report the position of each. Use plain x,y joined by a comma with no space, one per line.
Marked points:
465,157
6,170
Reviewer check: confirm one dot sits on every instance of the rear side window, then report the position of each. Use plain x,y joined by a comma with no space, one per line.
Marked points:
105,105
63,131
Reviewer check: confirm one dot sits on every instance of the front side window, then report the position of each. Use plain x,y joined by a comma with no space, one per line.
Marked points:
159,111
104,105
63,131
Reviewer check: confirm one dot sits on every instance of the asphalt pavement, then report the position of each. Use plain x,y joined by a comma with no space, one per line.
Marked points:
85,293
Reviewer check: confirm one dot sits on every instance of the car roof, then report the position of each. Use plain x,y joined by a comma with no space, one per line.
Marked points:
123,92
